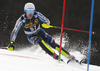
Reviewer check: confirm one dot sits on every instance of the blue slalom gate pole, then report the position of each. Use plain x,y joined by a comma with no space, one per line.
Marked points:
90,35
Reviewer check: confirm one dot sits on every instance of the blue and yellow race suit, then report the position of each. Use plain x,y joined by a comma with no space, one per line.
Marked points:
35,34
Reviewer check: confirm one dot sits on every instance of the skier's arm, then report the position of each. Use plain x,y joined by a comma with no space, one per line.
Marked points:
43,19
15,30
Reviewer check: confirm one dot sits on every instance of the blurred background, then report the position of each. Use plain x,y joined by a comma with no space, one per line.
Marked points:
77,16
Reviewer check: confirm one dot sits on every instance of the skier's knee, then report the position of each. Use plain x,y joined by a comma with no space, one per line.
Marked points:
51,41
38,40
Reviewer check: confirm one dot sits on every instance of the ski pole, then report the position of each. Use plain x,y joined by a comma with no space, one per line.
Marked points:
50,26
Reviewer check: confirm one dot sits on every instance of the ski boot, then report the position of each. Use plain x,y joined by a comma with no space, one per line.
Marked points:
72,58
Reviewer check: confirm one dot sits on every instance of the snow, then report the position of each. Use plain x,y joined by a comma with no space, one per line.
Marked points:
26,61
35,59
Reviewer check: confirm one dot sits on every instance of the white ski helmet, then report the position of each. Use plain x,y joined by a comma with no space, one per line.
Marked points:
29,8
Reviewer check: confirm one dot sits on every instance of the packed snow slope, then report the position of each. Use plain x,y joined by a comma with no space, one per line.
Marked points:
35,59
38,61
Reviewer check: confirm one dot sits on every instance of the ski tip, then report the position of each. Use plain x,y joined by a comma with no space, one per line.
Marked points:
81,61
68,61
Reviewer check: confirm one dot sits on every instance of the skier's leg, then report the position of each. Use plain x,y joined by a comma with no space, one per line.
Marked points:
45,47
64,52
48,49
46,37
50,41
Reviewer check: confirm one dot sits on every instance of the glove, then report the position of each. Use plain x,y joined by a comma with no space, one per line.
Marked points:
46,25
10,46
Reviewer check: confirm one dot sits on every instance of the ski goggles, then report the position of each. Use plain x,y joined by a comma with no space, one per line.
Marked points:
30,11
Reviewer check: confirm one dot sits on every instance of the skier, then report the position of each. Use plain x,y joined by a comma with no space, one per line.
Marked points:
30,22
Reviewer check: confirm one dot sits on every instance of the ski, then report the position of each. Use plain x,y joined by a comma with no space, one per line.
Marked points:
77,61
